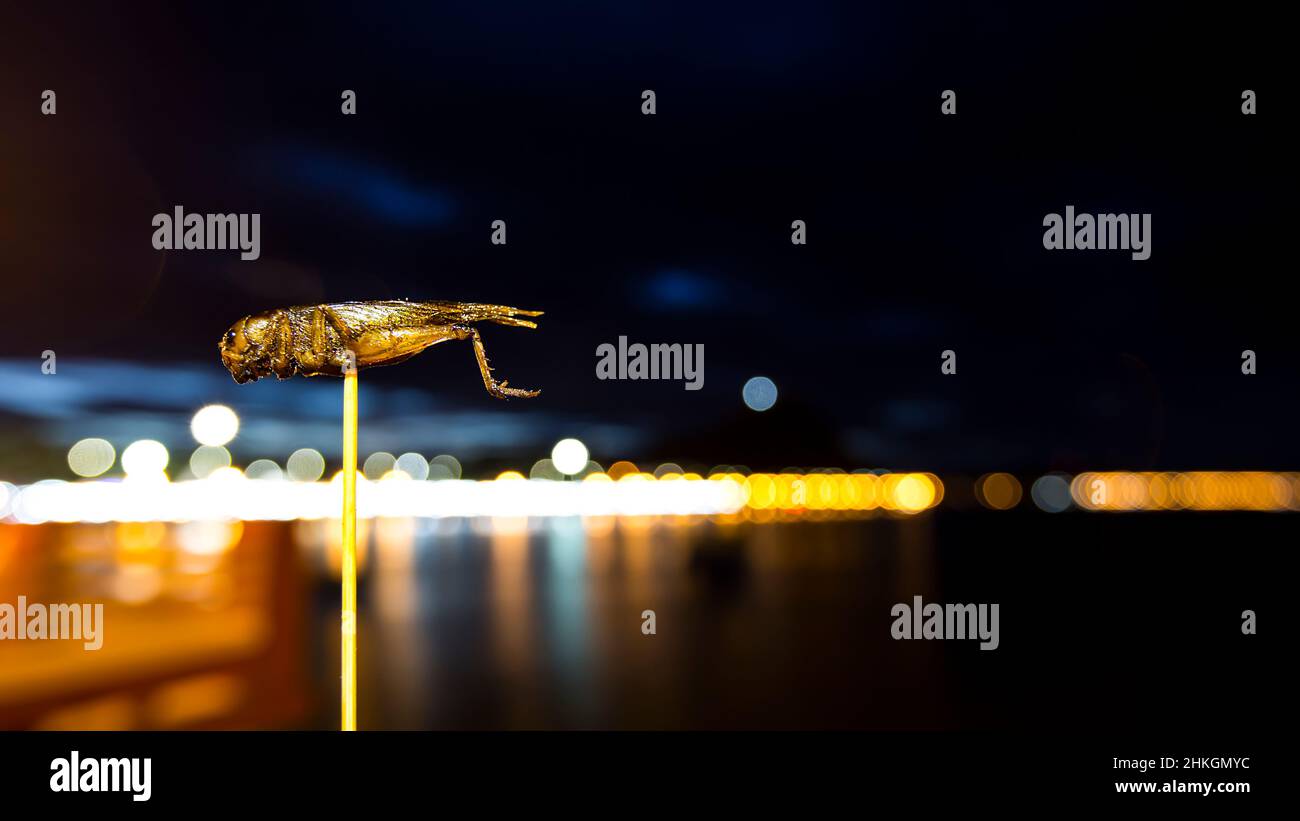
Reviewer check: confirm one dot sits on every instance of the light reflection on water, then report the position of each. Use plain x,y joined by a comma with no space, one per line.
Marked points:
478,623
537,624
510,624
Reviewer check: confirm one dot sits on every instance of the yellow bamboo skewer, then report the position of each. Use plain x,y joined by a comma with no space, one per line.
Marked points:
349,622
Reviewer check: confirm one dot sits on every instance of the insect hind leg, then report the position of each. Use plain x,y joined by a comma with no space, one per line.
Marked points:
500,390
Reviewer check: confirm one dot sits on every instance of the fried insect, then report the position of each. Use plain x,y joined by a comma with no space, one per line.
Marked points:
322,340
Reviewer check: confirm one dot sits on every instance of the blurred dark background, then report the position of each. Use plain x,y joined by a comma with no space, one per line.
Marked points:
924,231
925,234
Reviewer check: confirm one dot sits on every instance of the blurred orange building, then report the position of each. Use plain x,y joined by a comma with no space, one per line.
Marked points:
204,627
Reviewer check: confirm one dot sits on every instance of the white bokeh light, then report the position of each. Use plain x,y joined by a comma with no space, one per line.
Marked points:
305,465
145,457
444,466
413,465
214,425
545,469
91,457
8,493
264,470
569,456
207,458
378,464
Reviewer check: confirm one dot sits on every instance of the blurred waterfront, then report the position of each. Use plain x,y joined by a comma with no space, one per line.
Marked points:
517,623
788,625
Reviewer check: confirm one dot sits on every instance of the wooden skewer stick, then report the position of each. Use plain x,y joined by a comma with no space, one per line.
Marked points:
349,622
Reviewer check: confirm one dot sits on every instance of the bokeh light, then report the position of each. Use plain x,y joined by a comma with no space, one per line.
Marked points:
1051,493
998,491
207,458
668,469
91,457
413,465
8,493
214,425
144,458
305,465
914,492
444,466
622,468
1120,491
377,464
545,469
759,393
264,470
208,538
569,456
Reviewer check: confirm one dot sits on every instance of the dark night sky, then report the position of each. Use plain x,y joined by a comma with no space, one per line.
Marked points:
924,231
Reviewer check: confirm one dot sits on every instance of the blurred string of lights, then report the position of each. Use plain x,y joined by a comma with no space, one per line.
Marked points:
568,483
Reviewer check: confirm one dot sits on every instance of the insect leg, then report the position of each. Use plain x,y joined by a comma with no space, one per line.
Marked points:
312,352
282,347
349,356
334,319
500,390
